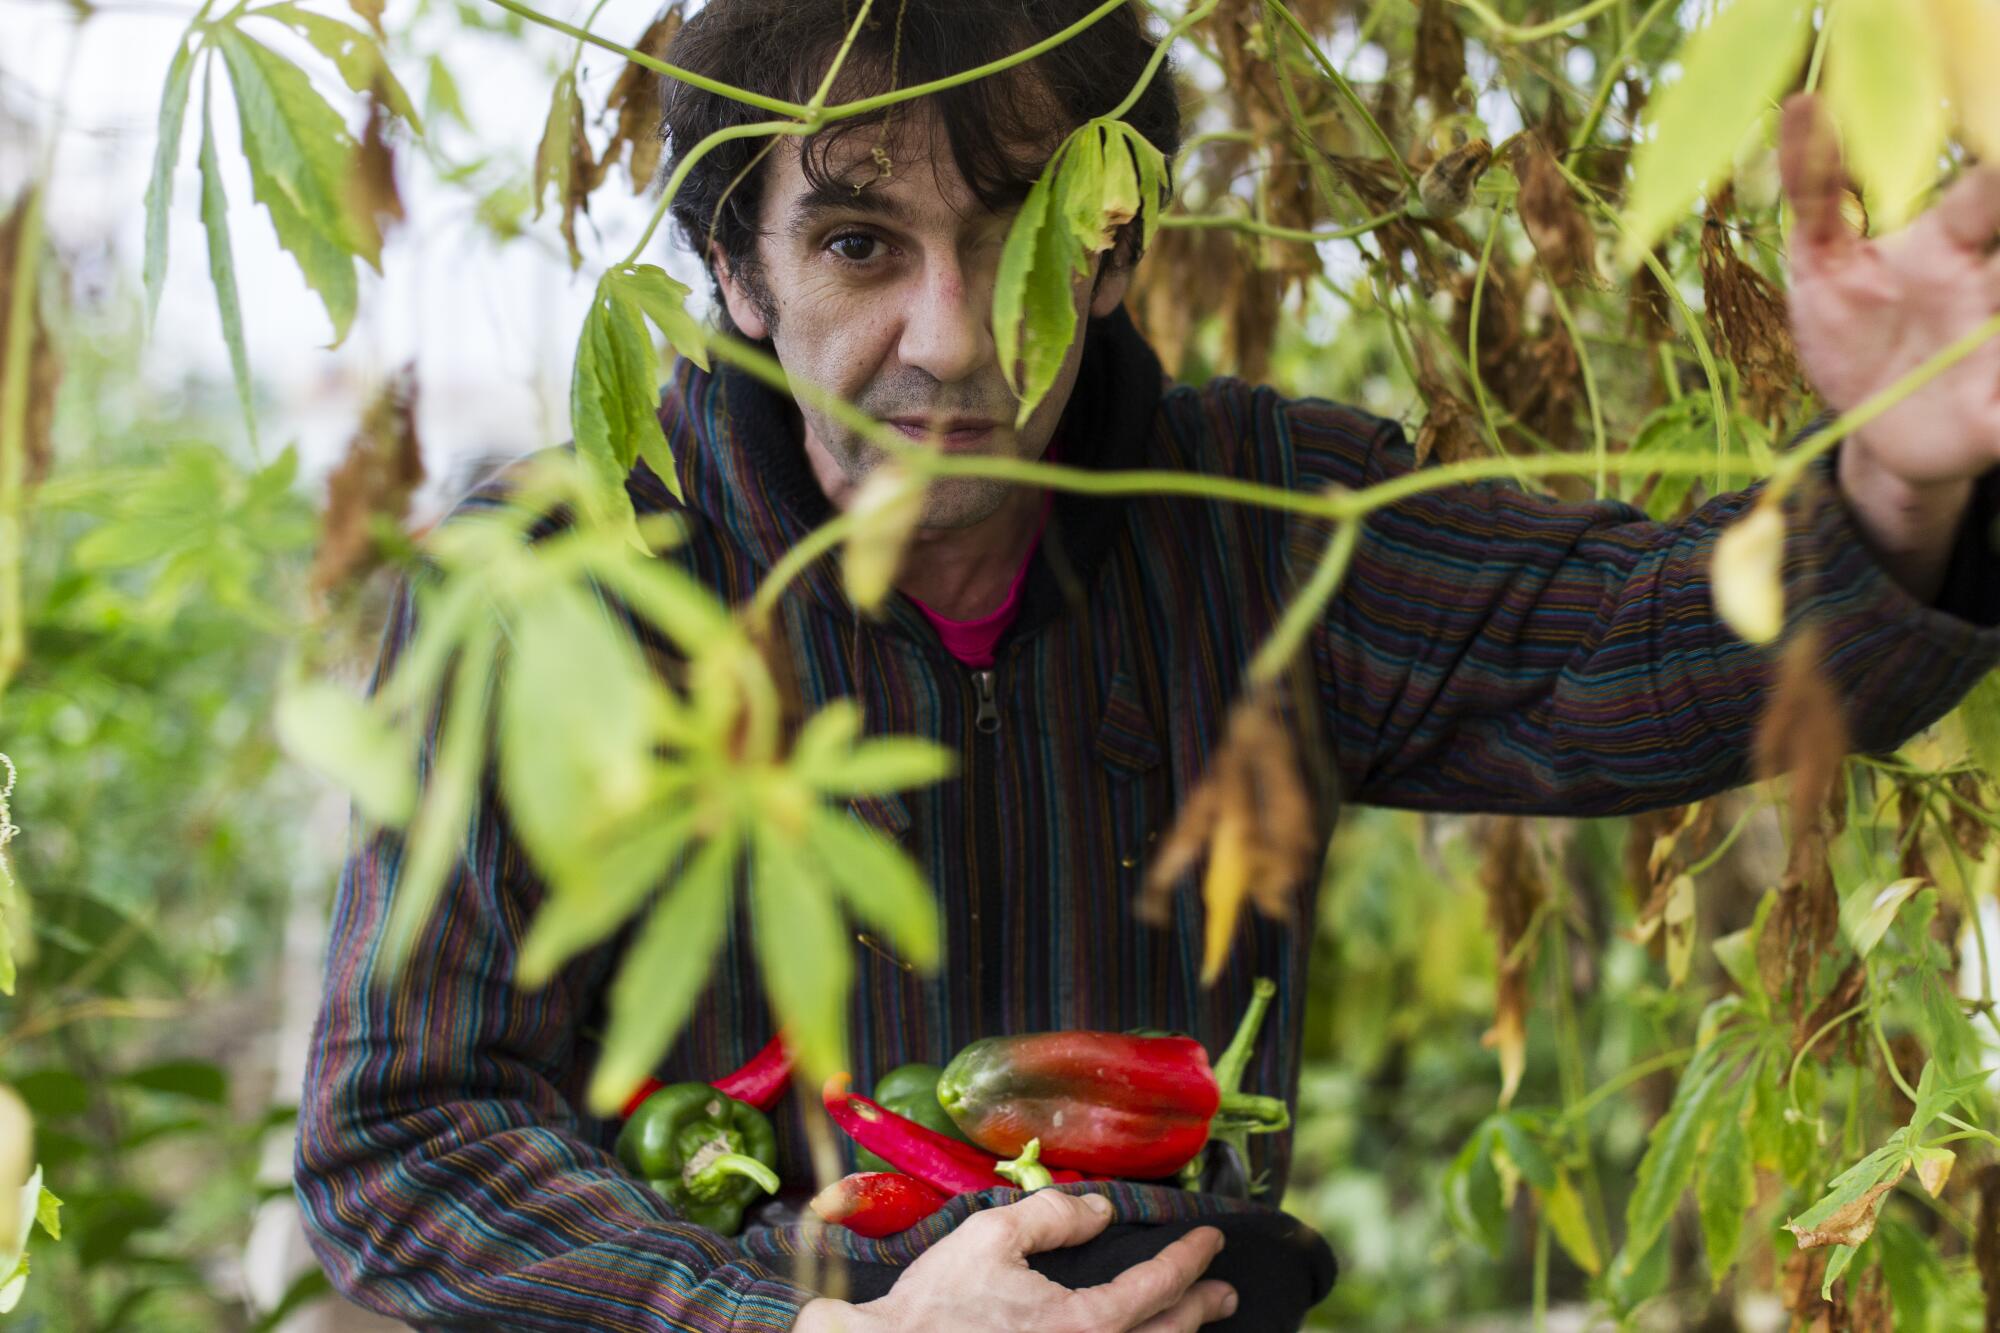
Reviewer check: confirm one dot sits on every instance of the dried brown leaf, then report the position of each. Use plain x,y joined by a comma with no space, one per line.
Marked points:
1847,988
1440,56
1650,313
1751,319
384,464
1447,184
370,12
1253,818
371,179
44,366
1803,731
1553,219
1850,1224
635,102
1514,893
1451,429
1986,1242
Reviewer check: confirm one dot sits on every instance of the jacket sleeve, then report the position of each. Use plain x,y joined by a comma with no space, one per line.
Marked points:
1500,651
444,1177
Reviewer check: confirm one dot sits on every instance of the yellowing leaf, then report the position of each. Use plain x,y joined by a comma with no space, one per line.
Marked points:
1563,1207
1934,1168
1868,931
1747,577
1731,71
1679,921
1969,31
886,510
1223,890
1886,81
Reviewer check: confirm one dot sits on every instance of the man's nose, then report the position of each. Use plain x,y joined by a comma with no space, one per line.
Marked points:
948,330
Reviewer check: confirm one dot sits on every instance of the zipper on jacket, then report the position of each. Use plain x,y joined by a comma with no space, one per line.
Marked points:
988,719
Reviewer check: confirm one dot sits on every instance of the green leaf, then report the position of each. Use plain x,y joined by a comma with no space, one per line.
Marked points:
441,94
300,154
1673,1150
891,763
802,951
1846,1214
1836,1265
1726,1190
1886,82
355,53
1472,1192
882,885
222,266
1563,1207
348,742
1979,718
196,1079
1526,1154
613,403
1034,304
664,301
665,971
48,1213
586,911
166,152
1732,70
1868,926
1081,186
576,736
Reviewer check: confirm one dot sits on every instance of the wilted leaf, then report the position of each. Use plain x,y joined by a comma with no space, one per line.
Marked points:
614,390
1252,815
1934,1169
563,162
886,510
1747,575
1732,70
1751,320
635,101
1446,187
1563,237
1514,893
1803,730
1874,923
371,185
1678,920
1440,55
44,367
1886,81
383,466
1451,430
1846,1216
1563,1206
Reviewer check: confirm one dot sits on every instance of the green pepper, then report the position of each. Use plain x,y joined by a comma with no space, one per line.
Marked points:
911,1092
707,1154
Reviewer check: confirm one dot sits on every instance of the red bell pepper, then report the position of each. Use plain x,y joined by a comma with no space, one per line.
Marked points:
1108,1101
877,1203
945,1164
760,1082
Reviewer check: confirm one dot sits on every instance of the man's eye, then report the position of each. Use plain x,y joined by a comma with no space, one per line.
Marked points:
856,247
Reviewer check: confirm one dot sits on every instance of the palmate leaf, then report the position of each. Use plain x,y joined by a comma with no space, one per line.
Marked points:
1886,82
881,885
1732,70
1725,1191
222,265
300,154
160,186
1673,1150
666,970
615,383
586,909
802,950
356,54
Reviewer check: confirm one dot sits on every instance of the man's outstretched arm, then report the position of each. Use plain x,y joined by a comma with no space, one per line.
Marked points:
444,1177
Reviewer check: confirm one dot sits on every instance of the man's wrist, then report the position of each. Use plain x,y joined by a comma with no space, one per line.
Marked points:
831,1316
1910,526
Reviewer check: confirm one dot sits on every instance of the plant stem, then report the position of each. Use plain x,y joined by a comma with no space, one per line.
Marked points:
1624,1079
1256,228
1509,32
1153,62
1025,54
1599,449
1601,100
1303,615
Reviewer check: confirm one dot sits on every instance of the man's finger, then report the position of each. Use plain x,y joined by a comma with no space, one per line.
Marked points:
1051,1219
1148,1288
1970,209
1205,1303
1809,161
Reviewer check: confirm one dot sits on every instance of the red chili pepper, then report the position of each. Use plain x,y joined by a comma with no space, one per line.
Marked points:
946,1164
1108,1101
760,1082
877,1203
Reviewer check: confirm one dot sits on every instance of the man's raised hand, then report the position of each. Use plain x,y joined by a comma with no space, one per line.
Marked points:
978,1278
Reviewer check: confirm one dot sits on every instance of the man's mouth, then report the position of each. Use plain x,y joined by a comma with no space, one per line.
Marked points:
954,434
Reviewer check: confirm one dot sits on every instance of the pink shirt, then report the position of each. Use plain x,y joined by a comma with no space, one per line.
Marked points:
971,641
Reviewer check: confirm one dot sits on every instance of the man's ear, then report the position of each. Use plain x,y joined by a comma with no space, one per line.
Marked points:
1110,290
744,312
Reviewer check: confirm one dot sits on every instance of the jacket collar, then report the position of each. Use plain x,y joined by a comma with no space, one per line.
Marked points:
742,465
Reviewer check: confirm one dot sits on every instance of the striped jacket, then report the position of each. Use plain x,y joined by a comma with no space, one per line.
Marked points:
1490,650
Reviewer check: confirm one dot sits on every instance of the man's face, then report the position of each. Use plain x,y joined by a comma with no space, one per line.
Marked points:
884,296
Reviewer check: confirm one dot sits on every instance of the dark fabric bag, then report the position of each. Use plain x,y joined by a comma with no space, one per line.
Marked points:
1279,1266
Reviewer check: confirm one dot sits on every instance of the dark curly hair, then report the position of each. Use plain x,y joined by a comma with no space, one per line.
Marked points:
1000,129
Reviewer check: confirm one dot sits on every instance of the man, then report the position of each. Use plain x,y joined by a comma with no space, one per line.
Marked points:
1489,650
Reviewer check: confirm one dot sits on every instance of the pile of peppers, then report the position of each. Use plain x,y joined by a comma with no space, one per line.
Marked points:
1028,1111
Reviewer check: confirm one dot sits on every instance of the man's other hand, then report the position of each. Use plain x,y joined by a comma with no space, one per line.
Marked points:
978,1278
